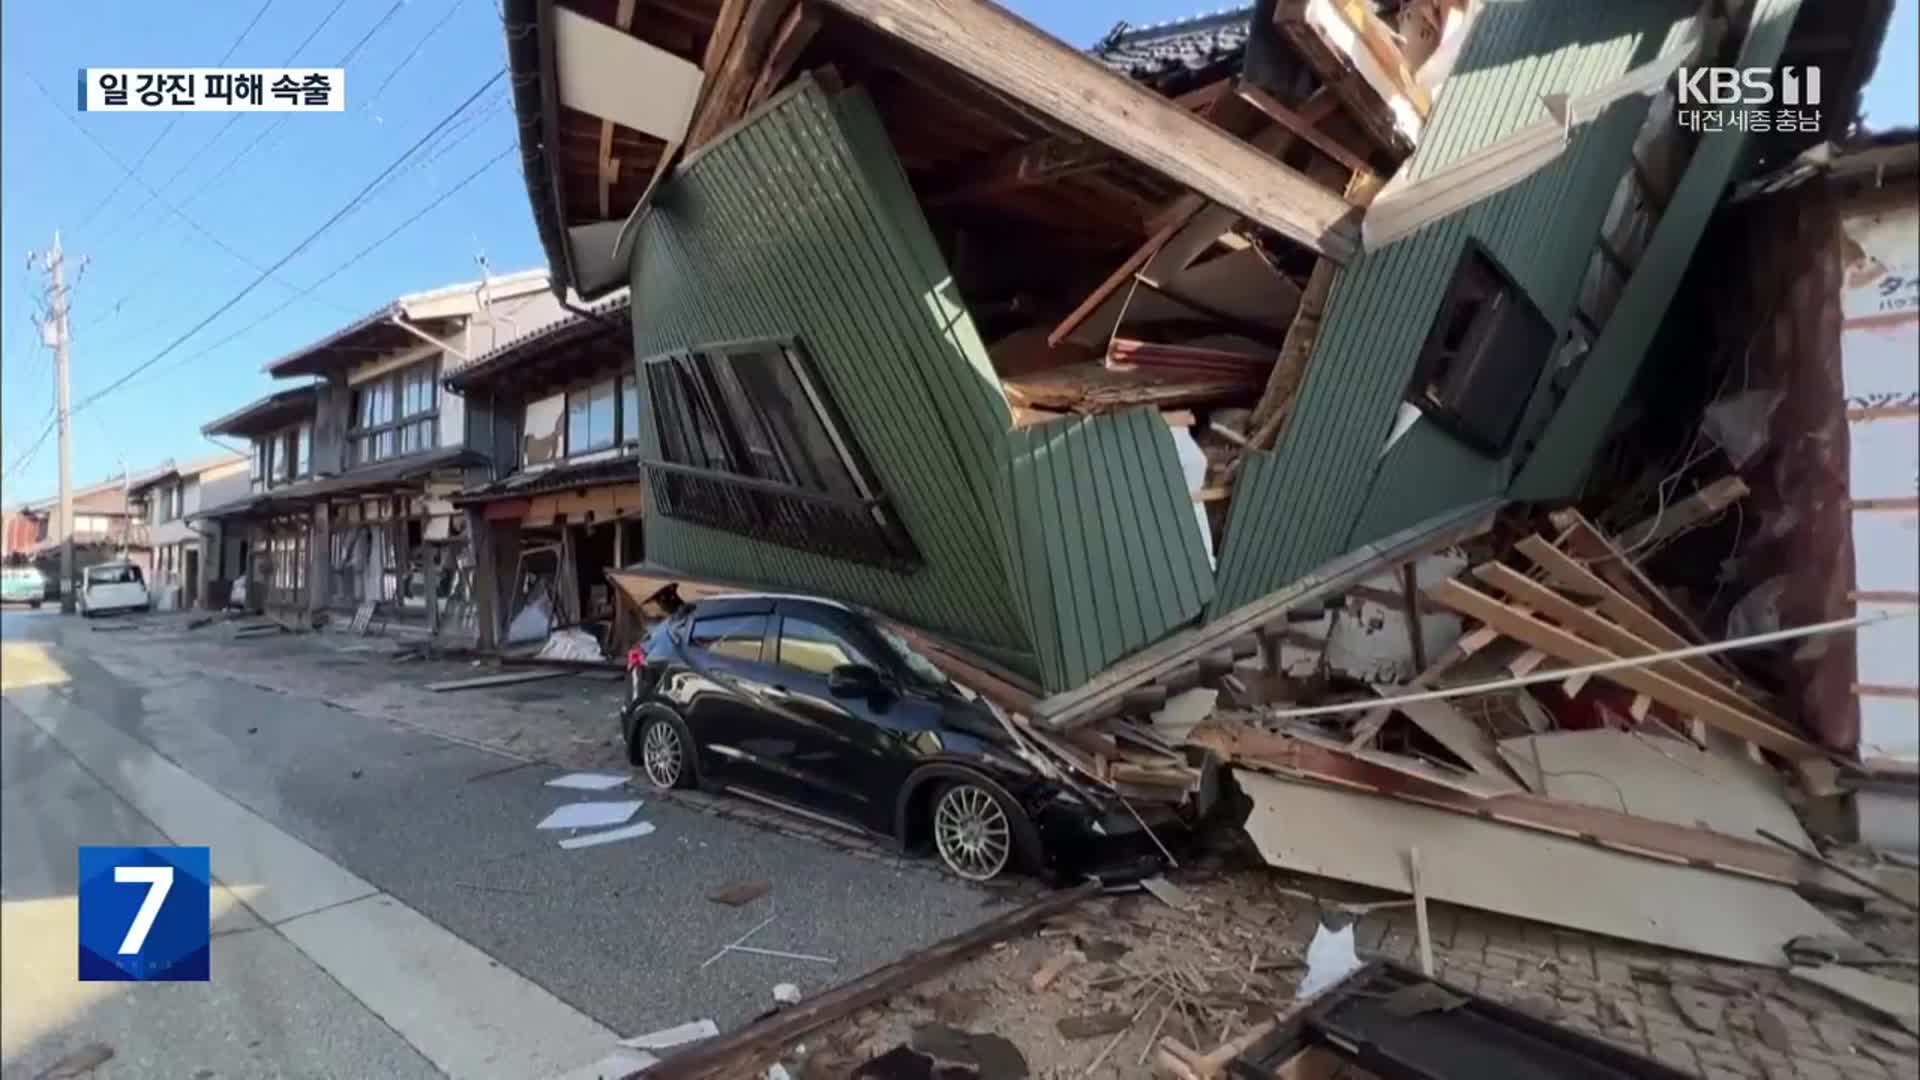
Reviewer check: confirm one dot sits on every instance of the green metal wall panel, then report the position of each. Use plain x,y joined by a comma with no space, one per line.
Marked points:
1426,471
1106,548
1566,449
797,225
1326,486
1057,550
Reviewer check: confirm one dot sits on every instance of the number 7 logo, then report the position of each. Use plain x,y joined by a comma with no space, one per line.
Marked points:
158,880
145,914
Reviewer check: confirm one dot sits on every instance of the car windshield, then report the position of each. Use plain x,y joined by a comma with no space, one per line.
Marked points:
114,575
921,668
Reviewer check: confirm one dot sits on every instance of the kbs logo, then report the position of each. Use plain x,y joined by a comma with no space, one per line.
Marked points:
1749,86
144,914
1754,99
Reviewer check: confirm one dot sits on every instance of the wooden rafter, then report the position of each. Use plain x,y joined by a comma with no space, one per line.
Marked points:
1295,121
1283,382
1183,232
607,173
1363,102
1071,89
1039,162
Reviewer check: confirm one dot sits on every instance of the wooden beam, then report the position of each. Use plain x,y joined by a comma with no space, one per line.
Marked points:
1379,41
795,34
723,97
1556,642
1601,631
1363,102
1569,574
1017,59
735,1051
1684,514
1306,129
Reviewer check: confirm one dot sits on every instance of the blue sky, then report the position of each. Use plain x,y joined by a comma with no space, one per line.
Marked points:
152,275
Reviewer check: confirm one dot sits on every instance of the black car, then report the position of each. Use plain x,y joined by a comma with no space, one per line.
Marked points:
825,711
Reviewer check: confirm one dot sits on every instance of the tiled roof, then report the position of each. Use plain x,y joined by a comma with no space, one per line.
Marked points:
608,310
1175,52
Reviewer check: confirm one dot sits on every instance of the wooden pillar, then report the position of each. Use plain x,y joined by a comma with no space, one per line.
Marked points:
402,550
486,595
320,559
435,553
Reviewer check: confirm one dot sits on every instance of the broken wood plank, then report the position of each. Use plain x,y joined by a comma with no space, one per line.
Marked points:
503,679
1471,784
1599,630
1570,574
1071,88
1053,969
1684,514
1087,702
607,172
1559,643
1582,541
1176,218
1812,856
1283,382
1423,938
723,98
772,1035
1039,162
789,42
1527,661
1373,720
1096,388
1185,358
1365,103
1495,867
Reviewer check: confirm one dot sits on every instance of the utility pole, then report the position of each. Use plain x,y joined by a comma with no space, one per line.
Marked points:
54,331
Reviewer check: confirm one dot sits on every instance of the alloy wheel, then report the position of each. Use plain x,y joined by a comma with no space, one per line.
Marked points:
661,754
972,832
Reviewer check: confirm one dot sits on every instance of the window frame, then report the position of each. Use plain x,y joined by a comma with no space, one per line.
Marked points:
585,392
394,384
767,621
1509,301
705,473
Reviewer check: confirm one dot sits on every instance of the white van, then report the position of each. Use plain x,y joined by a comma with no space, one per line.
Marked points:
114,586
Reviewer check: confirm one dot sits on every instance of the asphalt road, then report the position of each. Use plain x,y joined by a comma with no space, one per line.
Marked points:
604,941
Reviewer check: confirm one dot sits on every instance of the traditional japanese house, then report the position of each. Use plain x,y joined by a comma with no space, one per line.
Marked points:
557,411
1053,353
354,472
186,559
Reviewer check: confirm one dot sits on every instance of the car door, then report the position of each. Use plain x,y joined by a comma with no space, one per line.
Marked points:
713,685
849,749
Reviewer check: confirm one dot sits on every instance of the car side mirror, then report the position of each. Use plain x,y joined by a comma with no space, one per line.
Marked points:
855,681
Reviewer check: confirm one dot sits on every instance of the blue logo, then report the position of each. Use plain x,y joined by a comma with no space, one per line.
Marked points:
144,914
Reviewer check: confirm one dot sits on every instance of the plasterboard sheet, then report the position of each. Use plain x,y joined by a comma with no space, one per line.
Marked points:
1483,864
588,781
619,77
1655,777
590,815
608,836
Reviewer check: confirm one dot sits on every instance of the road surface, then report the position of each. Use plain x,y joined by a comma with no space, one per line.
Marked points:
384,906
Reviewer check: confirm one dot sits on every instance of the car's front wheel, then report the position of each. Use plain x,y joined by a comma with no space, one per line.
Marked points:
975,829
663,749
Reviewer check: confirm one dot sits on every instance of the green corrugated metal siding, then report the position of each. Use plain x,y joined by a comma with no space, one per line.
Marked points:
1566,449
1425,472
798,224
1103,538
1325,487
1057,549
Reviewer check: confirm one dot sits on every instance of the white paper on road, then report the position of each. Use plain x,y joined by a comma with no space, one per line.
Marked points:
587,781
608,836
590,815
673,1036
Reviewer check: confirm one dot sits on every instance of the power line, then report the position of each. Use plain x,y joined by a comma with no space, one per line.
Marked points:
268,130
248,289
405,223
154,196
157,139
232,118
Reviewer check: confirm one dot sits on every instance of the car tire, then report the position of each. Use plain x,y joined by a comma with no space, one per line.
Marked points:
978,831
662,747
